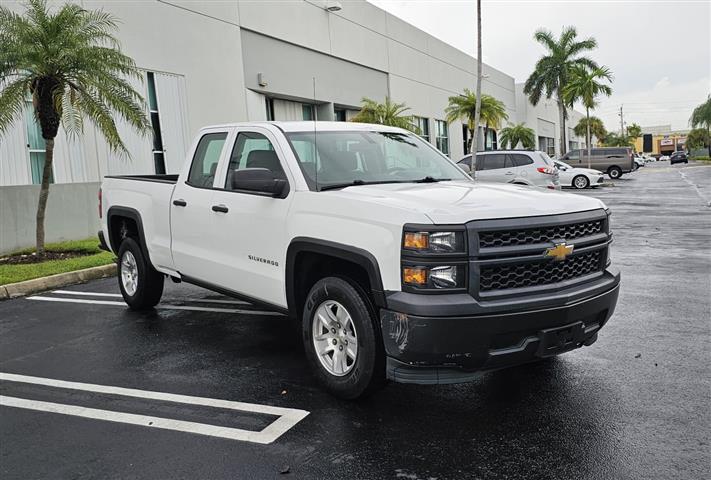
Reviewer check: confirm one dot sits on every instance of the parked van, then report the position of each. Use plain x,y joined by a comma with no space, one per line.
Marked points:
613,160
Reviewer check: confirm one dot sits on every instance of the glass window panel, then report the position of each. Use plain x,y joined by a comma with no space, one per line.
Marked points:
307,112
152,99
37,167
205,160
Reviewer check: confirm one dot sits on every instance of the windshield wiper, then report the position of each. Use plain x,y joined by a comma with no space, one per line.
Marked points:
354,183
429,179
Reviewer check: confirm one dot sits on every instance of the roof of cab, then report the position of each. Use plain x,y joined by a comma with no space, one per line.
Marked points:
310,126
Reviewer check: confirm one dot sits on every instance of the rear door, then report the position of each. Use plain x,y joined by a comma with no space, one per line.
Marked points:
248,232
190,207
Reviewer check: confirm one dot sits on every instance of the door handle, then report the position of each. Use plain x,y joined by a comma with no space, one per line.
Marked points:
180,203
220,208
509,173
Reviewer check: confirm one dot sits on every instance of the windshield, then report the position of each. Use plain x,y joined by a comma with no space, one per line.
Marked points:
332,159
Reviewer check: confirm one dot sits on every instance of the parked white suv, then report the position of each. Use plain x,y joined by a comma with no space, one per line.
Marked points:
520,167
391,260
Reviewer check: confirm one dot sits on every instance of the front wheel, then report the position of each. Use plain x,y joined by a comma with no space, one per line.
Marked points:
141,285
341,339
614,172
581,182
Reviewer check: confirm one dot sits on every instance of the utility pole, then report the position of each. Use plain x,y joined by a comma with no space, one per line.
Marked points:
622,122
475,133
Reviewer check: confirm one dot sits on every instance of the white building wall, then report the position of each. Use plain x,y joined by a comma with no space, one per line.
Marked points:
207,56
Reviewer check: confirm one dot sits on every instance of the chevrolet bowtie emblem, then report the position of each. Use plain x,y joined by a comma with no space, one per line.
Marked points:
559,252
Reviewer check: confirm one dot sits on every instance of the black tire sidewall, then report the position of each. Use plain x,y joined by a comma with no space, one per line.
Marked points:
587,182
150,282
614,173
369,370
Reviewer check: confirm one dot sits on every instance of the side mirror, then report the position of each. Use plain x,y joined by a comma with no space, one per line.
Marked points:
258,180
464,167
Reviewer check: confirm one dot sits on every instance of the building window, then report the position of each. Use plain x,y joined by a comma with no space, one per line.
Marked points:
339,114
465,139
307,111
490,142
36,146
158,152
442,136
547,144
270,109
423,124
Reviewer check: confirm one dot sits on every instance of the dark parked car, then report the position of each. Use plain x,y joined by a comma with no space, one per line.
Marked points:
679,157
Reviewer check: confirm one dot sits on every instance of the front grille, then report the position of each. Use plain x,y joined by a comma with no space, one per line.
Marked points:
499,277
510,238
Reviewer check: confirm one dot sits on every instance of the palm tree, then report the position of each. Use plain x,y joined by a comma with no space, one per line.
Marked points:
597,128
584,85
515,134
552,71
698,138
71,66
701,117
387,113
463,107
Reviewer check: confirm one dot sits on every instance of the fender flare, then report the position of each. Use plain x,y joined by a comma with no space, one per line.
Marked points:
134,215
337,250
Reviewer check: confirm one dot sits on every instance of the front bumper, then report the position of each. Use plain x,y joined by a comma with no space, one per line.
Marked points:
454,346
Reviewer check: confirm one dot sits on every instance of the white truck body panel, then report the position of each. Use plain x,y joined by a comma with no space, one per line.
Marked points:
220,249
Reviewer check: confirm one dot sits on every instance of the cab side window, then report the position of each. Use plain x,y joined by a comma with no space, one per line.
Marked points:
206,159
253,150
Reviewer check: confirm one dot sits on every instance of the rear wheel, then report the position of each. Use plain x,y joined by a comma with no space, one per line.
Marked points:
614,172
341,339
141,285
581,182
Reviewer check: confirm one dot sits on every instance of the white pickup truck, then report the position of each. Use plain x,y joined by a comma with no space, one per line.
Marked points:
394,263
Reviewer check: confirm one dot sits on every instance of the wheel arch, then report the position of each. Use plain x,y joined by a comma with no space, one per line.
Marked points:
117,213
301,248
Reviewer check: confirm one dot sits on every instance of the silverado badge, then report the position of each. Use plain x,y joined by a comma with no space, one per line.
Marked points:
559,252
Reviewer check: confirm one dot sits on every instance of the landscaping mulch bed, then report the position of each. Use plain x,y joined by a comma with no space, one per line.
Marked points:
33,258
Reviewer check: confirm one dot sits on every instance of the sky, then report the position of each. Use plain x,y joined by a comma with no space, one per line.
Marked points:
659,51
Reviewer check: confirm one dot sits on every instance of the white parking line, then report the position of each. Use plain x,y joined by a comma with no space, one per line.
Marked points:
118,295
159,306
288,417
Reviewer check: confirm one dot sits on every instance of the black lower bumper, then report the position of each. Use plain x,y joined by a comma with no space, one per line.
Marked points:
452,349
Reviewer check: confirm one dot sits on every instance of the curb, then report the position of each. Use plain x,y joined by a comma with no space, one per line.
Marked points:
28,287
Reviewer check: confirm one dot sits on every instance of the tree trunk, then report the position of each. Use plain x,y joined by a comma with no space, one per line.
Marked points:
477,112
708,138
44,193
587,114
561,119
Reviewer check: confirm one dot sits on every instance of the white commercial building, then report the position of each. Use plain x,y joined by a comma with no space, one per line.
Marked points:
213,62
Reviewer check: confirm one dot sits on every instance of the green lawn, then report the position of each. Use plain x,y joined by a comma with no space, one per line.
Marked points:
96,257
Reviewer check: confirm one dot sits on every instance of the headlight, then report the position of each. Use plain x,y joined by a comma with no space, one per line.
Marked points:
434,277
434,242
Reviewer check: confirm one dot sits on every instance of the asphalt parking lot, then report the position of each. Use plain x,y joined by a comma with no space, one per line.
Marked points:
93,390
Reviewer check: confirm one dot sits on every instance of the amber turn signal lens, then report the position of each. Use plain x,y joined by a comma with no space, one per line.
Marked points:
414,275
416,240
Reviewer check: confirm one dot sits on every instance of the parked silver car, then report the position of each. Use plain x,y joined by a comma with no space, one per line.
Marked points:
612,160
521,167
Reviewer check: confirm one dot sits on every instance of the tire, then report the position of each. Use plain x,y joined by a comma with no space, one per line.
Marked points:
141,286
348,315
614,172
580,182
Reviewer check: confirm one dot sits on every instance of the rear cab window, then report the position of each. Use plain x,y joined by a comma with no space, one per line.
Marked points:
206,159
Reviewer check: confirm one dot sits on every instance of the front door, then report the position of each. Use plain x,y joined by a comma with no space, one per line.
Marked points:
249,234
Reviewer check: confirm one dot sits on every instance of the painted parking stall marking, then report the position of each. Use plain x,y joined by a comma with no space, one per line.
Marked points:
118,295
287,417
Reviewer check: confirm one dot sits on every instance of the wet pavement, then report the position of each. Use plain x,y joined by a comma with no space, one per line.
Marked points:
635,405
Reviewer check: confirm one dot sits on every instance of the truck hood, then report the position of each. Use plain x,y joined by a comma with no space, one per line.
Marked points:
460,202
